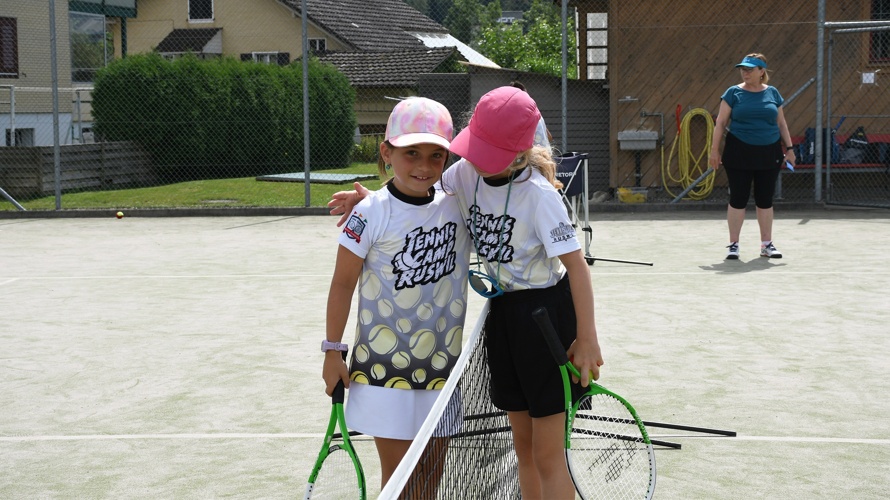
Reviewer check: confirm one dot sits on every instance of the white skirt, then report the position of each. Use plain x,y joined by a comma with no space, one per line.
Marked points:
397,413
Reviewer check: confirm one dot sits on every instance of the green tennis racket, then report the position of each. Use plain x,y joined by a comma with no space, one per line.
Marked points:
607,447
337,473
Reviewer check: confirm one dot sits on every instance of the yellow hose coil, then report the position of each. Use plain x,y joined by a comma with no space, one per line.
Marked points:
690,165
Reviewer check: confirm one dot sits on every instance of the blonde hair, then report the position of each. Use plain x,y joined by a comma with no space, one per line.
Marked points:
764,78
540,159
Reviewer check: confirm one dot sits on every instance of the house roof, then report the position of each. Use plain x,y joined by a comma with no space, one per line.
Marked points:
387,69
188,40
370,25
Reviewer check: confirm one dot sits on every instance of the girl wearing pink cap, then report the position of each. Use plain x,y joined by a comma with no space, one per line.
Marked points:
507,192
406,249
523,234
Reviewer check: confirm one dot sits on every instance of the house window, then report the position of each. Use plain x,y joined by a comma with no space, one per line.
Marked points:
266,57
597,45
318,45
9,48
24,137
880,40
200,10
91,46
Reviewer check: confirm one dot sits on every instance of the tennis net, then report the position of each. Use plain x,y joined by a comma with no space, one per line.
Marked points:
464,449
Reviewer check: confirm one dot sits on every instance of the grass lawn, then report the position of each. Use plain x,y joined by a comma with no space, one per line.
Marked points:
240,192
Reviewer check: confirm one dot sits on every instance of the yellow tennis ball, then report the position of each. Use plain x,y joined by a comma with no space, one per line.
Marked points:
359,377
439,361
398,383
408,298
457,308
403,325
385,308
418,376
454,340
120,215
378,371
371,286
425,311
436,384
365,316
442,292
382,340
362,354
422,343
401,360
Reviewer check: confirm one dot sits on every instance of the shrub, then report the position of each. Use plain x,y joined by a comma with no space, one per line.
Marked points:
223,117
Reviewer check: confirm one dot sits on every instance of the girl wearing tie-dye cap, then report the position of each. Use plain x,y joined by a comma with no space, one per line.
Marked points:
406,248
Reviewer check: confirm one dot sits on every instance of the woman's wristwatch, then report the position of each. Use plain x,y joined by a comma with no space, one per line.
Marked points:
789,148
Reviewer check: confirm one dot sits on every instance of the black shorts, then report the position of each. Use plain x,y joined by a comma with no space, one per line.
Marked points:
524,375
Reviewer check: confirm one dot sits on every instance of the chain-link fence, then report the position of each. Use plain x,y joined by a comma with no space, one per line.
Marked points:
201,103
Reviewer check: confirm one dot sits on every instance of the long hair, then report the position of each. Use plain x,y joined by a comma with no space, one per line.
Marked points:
540,159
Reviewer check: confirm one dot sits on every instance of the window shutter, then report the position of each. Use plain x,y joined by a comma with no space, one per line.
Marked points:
283,58
9,51
247,57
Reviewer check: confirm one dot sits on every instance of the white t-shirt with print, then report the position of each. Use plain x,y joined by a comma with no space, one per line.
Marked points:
536,226
412,291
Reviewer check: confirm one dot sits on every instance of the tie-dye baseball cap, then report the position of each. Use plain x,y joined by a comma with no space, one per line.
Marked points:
418,120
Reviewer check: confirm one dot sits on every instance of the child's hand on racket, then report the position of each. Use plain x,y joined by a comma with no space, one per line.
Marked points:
334,370
587,358
342,202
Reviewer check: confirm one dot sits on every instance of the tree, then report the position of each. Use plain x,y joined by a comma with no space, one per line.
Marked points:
533,44
462,19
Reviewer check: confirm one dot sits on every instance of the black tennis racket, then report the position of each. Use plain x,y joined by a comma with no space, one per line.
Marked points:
607,446
337,473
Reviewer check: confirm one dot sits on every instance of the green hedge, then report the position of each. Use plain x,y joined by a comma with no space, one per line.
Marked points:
223,117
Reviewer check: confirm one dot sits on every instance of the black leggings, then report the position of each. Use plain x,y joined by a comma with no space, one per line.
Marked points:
741,180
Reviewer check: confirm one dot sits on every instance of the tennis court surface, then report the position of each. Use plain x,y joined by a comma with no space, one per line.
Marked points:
179,357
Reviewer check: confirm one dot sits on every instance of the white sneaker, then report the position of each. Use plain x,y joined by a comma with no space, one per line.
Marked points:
733,252
770,250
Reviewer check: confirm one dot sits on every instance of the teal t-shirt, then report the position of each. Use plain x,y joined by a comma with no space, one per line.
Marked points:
754,114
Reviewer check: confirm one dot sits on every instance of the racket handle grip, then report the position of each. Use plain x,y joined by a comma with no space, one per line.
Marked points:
339,394
542,318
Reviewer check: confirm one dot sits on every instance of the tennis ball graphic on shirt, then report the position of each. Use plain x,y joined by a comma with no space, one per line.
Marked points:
362,354
403,325
401,360
441,324
422,343
425,311
359,377
385,308
365,316
398,383
382,340
436,384
378,371
442,292
371,286
408,298
418,376
456,308
439,360
454,340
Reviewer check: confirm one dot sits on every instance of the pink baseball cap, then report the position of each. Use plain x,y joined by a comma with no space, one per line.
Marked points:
418,120
503,125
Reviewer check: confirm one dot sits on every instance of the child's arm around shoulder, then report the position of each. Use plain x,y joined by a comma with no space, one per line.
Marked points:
585,349
342,202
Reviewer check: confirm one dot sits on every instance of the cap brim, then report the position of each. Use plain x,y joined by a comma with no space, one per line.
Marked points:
484,156
419,138
746,65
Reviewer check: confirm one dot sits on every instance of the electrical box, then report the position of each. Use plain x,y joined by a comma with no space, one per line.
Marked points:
637,140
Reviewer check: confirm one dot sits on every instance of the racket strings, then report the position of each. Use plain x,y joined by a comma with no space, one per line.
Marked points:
609,456
337,477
